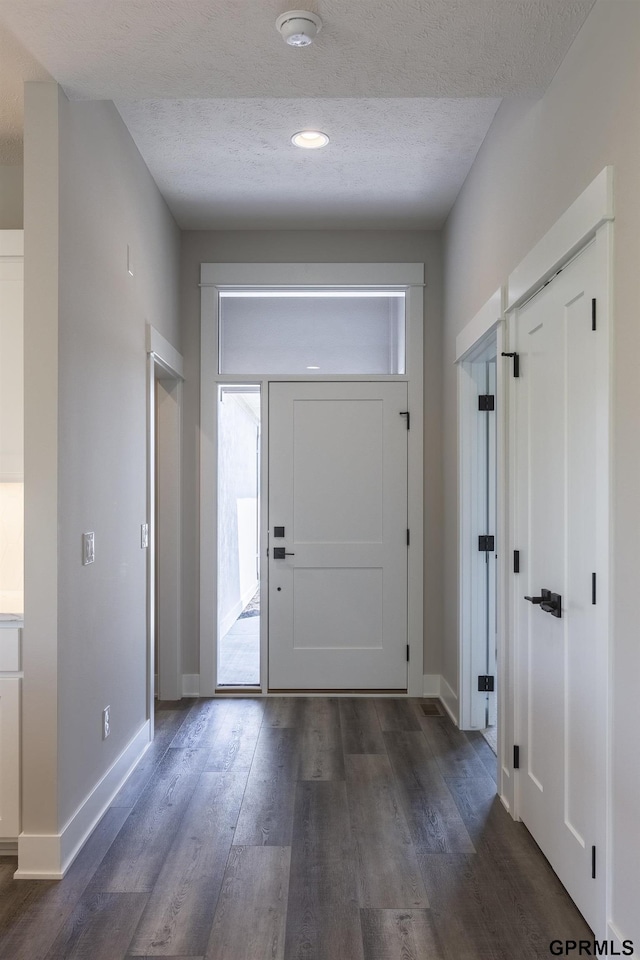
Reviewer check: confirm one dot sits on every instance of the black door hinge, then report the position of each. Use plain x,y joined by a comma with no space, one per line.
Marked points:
593,863
408,537
486,402
516,362
486,684
405,413
593,588
407,653
516,758
486,544
593,314
516,561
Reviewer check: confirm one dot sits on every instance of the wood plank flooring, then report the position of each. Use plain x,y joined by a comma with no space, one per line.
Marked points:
299,829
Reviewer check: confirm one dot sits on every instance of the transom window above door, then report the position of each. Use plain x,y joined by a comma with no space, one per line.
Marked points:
306,332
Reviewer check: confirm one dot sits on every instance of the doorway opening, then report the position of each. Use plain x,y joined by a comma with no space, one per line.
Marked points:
479,542
238,535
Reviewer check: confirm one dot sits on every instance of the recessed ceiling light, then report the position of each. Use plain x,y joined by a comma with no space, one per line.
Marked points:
298,28
313,368
310,139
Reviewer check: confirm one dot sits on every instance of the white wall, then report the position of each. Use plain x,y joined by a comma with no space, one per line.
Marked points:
285,246
536,159
88,195
11,178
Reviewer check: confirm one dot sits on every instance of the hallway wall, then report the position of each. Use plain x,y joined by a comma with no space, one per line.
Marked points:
537,158
89,194
329,247
11,216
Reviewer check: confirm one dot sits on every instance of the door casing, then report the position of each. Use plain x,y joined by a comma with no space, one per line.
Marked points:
164,579
215,277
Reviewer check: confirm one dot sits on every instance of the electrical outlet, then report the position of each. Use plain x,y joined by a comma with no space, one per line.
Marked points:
144,535
88,548
106,722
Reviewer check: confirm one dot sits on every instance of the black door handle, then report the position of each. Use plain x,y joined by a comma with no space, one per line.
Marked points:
549,602
279,553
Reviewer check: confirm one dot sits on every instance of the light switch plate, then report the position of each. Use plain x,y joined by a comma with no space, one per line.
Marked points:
88,548
144,535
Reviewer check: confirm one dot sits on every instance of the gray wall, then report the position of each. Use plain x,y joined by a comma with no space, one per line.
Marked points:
328,247
536,159
11,197
99,198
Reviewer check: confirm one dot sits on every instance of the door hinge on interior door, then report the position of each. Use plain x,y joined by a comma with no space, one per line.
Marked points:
407,653
593,863
593,313
486,402
516,362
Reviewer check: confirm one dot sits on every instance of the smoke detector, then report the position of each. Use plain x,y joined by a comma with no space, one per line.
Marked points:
298,28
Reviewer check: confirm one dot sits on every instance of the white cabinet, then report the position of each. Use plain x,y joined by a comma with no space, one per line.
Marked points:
9,756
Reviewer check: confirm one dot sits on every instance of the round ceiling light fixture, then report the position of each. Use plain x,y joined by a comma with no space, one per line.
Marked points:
298,28
310,139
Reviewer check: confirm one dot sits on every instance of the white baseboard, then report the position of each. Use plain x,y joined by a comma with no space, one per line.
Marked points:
617,939
449,700
8,848
49,856
190,684
431,685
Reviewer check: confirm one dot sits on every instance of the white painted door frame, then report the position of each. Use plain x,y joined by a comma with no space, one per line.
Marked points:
588,219
217,276
483,337
164,553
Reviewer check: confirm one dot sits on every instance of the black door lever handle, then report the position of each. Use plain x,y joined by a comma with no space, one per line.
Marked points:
549,602
279,553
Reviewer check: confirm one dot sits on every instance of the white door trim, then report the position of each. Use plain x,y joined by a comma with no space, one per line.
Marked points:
164,363
485,332
588,218
409,276
575,228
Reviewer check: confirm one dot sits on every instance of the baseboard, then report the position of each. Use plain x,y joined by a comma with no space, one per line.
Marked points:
449,700
190,684
431,685
619,941
8,848
49,856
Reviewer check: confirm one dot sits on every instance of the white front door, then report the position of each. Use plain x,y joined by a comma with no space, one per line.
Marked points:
559,409
338,512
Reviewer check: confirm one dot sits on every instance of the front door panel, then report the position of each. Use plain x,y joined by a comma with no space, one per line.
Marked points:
338,486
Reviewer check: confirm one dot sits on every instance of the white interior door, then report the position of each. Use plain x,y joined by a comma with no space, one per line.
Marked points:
338,493
562,673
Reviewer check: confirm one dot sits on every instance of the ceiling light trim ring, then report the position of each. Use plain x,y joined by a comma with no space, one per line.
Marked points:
310,139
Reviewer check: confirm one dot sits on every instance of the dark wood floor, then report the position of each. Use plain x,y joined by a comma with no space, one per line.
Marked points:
305,829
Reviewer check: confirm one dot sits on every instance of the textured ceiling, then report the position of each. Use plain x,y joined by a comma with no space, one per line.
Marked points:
137,49
390,163
406,89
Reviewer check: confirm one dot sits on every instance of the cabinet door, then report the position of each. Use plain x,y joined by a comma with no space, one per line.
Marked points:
9,757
